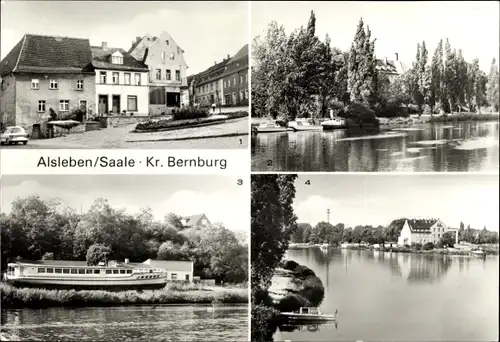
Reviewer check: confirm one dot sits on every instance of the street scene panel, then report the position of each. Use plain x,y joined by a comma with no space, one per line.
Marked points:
376,89
124,257
142,80
374,258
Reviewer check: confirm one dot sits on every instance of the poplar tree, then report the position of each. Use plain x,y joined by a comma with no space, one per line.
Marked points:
492,87
449,76
436,82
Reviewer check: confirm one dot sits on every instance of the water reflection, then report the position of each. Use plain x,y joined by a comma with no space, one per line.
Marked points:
311,327
464,146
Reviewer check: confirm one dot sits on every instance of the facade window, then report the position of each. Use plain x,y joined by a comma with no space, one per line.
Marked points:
116,78
174,276
35,83
234,80
137,79
163,55
177,75
246,94
158,74
172,56
168,74
127,78
132,103
242,95
53,84
242,78
41,106
79,85
116,59
211,86
64,105
187,277
83,105
166,41
102,77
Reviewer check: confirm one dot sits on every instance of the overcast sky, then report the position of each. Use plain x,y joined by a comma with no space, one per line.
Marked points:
220,198
398,26
378,199
207,31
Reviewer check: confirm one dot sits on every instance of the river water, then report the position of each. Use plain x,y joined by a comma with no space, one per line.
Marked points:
462,146
131,323
401,297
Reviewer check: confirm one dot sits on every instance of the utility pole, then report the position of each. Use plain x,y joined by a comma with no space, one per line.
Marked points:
327,215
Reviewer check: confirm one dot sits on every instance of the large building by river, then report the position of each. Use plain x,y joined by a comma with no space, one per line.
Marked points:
424,231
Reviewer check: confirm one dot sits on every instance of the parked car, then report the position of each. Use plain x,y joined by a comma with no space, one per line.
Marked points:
14,135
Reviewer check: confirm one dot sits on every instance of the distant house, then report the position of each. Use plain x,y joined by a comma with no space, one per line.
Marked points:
167,71
121,82
42,73
199,220
423,230
391,68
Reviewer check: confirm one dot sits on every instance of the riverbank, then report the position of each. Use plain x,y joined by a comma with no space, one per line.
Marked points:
17,298
434,251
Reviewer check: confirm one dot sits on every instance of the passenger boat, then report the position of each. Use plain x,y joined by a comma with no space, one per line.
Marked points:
270,127
333,123
308,314
303,125
77,275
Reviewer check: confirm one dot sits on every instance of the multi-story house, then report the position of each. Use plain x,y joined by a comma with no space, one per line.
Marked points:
121,82
208,85
42,73
235,80
197,221
424,230
391,68
167,71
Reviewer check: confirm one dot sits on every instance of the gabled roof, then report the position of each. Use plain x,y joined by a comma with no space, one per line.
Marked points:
48,54
171,265
421,225
386,66
240,54
190,221
100,60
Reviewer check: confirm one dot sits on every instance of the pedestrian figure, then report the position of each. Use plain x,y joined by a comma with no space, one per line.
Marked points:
213,108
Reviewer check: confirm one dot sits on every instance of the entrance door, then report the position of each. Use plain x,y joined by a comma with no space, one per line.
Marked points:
116,104
103,105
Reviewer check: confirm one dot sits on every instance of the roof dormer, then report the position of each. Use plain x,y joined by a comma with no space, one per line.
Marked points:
116,57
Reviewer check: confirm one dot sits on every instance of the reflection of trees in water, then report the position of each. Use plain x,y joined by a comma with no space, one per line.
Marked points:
425,268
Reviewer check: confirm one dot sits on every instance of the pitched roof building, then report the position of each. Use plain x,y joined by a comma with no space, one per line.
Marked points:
199,220
423,230
42,73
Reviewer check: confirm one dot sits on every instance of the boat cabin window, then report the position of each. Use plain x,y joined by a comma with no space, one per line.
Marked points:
74,271
57,270
89,271
41,270
65,270
81,271
129,271
97,271
122,271
115,271
150,271
108,272
50,270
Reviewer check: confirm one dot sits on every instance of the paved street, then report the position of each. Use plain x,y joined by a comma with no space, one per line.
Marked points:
229,135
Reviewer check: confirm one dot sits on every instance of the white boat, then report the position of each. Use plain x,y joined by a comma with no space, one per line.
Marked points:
333,122
77,275
308,314
270,127
478,253
324,246
303,125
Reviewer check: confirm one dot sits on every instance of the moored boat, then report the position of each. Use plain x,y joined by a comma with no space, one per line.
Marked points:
308,314
270,127
334,122
59,274
303,125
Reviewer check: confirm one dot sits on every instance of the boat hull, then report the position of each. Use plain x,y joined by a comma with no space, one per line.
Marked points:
307,318
306,128
271,130
90,284
330,127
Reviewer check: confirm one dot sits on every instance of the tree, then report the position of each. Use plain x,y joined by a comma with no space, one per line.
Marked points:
170,251
492,93
301,233
97,253
447,240
437,89
272,223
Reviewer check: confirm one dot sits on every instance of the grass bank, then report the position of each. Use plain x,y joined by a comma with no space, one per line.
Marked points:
463,117
16,298
167,125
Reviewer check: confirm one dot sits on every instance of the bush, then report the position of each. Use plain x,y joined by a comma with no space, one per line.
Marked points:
428,246
392,110
289,265
361,115
312,288
303,272
292,302
264,323
190,113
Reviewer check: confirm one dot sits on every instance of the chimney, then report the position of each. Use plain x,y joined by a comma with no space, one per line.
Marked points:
137,39
104,45
228,56
127,261
396,54
386,61
215,62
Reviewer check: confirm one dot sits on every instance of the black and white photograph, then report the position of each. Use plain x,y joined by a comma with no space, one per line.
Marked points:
124,74
356,257
397,86
124,257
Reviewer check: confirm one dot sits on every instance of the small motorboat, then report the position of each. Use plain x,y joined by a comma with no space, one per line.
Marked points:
303,125
309,314
270,127
334,122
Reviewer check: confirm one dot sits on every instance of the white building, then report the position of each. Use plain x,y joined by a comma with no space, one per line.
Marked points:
121,82
424,230
176,270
